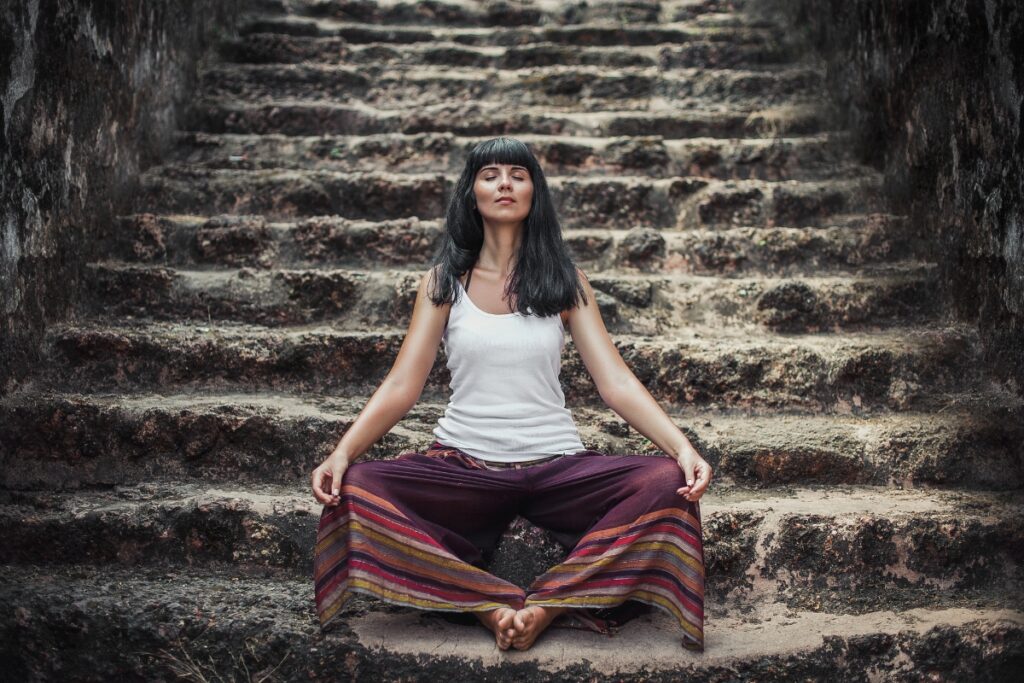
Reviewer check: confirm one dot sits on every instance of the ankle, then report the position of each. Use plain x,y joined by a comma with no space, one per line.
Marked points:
549,609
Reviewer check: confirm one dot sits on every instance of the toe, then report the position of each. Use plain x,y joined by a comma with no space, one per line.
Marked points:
505,620
519,621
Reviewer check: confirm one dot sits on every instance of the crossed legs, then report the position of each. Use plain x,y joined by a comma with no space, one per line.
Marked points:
413,530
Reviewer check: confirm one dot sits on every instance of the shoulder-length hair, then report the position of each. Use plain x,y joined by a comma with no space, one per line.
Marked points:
544,280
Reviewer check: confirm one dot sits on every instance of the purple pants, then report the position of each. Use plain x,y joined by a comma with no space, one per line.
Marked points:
412,531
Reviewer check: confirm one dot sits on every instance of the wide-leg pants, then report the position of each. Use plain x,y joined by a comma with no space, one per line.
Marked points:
414,530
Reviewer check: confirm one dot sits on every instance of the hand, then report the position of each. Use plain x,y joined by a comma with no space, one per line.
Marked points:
698,475
327,479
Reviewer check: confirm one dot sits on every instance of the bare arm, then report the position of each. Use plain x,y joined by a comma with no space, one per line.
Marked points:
628,397
395,396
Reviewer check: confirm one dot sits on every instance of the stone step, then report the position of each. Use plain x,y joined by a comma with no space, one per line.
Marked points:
62,441
745,49
162,623
470,118
840,243
793,158
446,13
716,368
651,305
785,541
572,88
781,203
663,203
581,32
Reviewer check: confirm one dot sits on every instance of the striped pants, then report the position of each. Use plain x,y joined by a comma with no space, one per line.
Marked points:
413,531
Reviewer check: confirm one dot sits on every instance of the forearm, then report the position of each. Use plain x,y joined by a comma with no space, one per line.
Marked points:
633,403
386,407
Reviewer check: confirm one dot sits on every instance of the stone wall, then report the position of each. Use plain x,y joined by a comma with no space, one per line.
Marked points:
933,91
90,93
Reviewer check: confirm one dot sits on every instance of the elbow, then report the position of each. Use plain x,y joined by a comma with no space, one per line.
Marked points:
402,392
613,391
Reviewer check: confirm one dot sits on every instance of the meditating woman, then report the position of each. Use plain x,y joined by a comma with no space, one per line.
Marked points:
414,530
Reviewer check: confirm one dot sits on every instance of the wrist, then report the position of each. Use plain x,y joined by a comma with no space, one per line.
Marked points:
342,456
685,452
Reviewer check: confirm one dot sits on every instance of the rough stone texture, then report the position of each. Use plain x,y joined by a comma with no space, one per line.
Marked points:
490,119
254,624
90,94
633,304
832,542
863,372
781,158
156,521
934,92
226,240
67,442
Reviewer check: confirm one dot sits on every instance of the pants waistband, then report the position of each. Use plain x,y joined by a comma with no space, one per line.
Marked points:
438,448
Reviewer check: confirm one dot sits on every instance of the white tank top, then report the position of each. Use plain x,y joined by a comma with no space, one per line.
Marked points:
507,404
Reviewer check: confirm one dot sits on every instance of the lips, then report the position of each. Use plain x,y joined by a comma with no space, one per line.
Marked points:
506,200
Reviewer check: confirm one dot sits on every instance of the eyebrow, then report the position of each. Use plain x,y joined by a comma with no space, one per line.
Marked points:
495,168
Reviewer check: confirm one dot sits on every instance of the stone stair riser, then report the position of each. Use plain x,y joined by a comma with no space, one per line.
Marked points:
664,203
903,374
808,158
246,240
127,627
352,300
475,119
264,48
799,551
70,443
455,14
559,88
582,35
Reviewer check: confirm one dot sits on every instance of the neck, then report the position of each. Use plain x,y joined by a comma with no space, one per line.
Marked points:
500,248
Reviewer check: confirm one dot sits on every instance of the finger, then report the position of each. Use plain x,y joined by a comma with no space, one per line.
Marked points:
336,473
318,484
688,469
703,480
704,473
688,472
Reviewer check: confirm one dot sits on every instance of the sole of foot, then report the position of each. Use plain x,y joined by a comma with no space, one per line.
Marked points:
500,622
530,622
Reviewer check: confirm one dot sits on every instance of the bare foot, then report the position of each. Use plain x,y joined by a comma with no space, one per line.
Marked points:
500,621
530,622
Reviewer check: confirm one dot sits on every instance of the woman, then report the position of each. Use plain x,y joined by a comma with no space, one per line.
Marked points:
414,530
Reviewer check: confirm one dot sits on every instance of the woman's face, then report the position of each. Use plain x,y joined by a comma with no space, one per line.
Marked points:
503,193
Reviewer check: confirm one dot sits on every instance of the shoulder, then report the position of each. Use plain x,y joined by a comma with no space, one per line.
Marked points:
430,278
585,282
432,272
581,277
429,286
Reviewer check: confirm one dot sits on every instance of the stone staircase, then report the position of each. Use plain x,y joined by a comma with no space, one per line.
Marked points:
865,521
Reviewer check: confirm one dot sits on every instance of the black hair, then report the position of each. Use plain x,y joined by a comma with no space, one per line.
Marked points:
544,280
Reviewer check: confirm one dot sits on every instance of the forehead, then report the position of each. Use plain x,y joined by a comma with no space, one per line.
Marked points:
496,167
